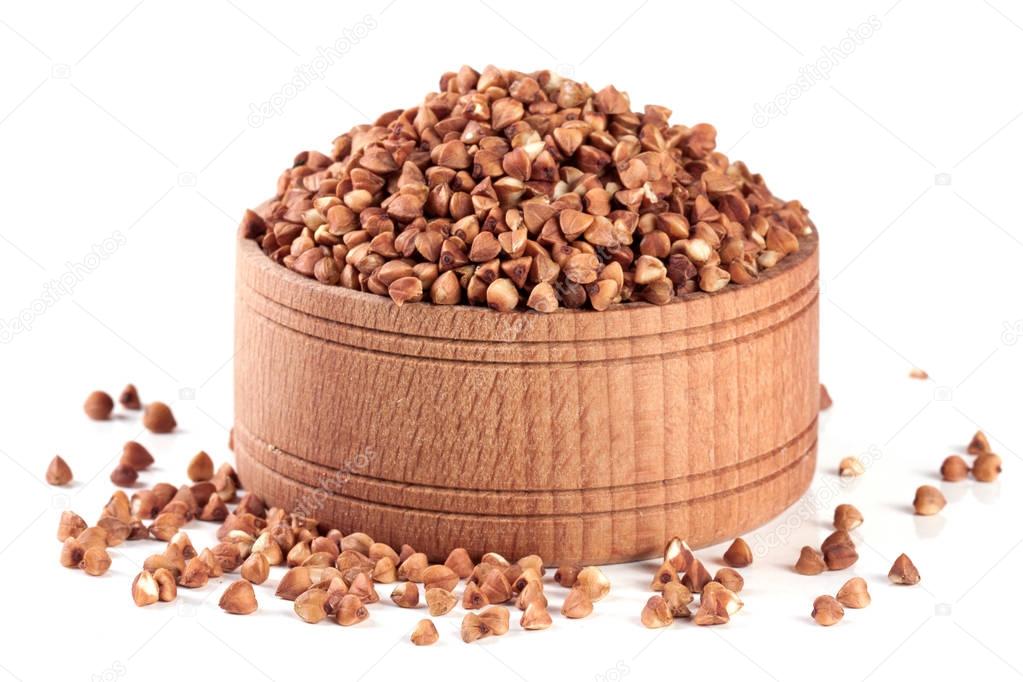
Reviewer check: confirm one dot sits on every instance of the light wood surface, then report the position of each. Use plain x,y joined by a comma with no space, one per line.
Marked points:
581,435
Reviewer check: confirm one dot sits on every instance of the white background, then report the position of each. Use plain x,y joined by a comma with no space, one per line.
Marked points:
131,122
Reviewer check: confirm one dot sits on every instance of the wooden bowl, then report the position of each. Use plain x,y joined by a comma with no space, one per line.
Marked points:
579,436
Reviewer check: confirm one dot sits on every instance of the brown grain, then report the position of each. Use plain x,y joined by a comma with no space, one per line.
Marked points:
531,175
58,472
158,418
99,406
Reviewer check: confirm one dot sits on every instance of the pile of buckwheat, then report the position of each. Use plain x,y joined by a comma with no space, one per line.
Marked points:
513,189
334,575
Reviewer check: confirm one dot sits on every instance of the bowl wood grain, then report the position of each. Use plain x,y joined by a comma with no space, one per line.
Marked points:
579,436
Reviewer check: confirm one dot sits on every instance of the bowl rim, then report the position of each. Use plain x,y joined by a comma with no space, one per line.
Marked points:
271,280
